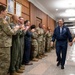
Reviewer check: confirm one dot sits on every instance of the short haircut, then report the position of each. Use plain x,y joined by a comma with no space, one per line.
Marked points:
26,22
40,24
2,8
13,16
61,19
32,27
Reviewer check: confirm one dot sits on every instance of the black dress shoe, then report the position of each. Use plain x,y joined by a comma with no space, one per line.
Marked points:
62,67
58,63
29,63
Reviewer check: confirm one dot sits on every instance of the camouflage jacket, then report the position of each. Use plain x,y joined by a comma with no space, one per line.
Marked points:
49,35
40,33
5,34
34,35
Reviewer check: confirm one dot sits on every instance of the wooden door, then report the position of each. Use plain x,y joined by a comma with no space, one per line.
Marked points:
38,20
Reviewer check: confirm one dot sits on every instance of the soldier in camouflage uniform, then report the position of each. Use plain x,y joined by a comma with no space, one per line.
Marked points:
34,43
48,37
44,39
5,41
40,40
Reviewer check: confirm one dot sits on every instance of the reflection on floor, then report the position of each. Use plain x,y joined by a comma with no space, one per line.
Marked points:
47,66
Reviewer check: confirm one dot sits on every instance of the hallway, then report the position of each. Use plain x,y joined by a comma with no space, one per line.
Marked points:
47,66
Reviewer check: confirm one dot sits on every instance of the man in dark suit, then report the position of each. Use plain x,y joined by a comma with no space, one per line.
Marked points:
62,36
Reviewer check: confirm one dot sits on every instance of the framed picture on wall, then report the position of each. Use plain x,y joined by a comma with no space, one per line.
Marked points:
18,9
10,6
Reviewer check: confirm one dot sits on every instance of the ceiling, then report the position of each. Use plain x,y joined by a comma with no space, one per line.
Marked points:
58,8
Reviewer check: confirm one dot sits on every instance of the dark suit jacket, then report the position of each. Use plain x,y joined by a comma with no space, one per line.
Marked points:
62,38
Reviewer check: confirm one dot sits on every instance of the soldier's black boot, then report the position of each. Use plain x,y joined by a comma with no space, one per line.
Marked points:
62,67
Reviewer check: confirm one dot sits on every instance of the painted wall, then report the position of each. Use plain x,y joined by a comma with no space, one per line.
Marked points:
32,13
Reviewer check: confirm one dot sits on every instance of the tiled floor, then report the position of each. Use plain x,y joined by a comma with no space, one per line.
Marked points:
47,65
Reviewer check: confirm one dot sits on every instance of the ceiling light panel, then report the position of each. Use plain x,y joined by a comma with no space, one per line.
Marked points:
72,19
68,13
64,3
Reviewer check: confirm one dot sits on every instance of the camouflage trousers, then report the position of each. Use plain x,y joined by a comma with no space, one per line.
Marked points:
35,50
40,47
44,45
4,60
48,44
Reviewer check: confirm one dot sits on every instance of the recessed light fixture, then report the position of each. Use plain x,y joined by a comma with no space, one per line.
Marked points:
72,19
56,9
67,15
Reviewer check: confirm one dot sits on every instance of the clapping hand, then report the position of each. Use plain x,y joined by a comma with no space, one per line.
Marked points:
73,40
22,27
70,43
51,43
32,30
27,27
16,27
5,22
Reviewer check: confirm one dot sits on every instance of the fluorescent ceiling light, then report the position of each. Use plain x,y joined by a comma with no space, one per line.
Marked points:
71,74
71,11
72,19
68,13
64,3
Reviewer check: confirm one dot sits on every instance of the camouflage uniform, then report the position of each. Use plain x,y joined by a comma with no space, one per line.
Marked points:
5,43
40,40
34,44
49,37
44,42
